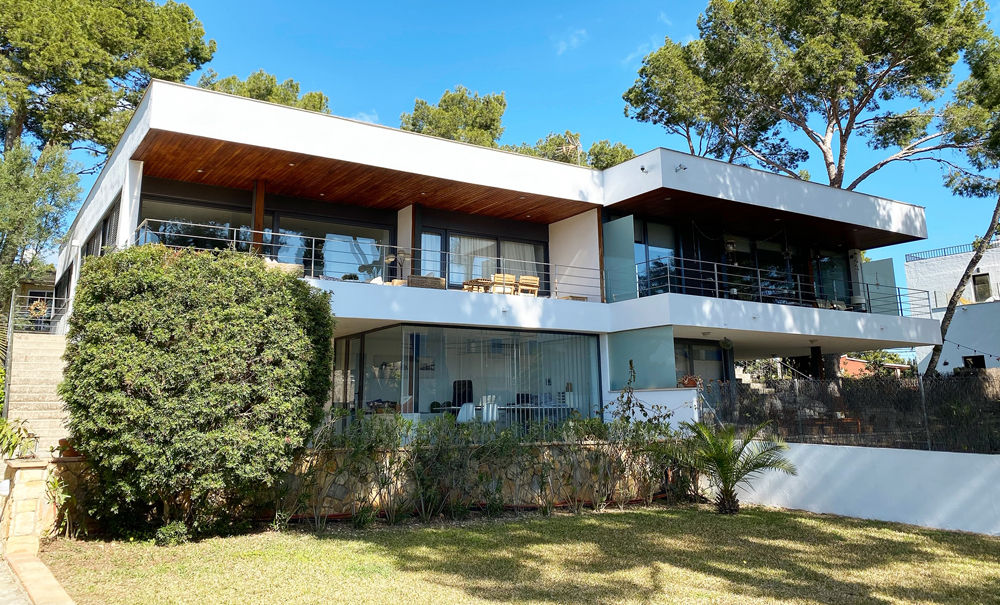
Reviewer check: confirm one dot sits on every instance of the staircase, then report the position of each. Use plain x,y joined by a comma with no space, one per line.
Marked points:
35,371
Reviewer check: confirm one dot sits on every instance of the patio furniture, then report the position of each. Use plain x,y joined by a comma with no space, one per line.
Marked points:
477,285
426,281
527,285
398,282
491,412
503,283
467,413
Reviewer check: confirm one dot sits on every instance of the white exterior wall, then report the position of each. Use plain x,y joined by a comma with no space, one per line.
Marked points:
575,253
943,490
940,275
977,327
759,188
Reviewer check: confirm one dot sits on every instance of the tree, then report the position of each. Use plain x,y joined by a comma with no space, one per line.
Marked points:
730,459
878,359
980,127
829,72
72,71
567,147
192,378
460,115
263,86
37,194
603,154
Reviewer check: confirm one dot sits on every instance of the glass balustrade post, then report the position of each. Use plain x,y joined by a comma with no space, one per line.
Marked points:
715,278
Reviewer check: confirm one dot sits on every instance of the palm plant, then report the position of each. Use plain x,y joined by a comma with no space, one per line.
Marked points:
732,458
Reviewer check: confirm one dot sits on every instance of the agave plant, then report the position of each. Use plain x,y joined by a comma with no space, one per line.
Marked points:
732,458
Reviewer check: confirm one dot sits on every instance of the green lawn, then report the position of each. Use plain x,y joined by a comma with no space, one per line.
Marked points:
654,555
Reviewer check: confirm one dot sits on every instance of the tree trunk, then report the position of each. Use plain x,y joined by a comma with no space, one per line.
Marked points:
15,127
980,250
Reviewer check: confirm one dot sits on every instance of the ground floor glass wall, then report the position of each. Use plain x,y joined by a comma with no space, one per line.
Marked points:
423,371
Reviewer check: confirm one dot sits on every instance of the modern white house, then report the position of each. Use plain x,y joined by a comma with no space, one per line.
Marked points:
467,275
974,333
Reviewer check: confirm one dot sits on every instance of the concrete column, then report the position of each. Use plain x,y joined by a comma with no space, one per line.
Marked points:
854,265
406,241
128,213
816,364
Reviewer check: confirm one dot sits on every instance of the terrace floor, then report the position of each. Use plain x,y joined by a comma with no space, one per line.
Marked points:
651,555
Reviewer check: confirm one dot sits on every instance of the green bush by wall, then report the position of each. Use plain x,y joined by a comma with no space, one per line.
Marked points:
192,378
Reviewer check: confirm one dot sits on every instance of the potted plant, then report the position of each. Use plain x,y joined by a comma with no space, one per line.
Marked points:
690,381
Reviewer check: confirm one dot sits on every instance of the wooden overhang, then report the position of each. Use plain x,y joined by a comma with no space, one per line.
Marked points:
714,216
194,159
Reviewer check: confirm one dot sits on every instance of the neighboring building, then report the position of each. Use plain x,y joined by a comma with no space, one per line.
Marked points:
852,367
679,263
938,272
974,332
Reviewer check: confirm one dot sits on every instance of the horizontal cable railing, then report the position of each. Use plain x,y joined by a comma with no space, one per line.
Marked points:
45,314
358,260
949,251
719,280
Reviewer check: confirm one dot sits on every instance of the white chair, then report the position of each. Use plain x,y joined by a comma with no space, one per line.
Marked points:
491,412
467,413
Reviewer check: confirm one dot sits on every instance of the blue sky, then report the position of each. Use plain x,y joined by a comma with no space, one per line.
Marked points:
562,66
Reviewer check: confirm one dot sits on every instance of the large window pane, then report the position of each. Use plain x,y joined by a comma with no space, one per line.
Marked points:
527,375
383,366
327,249
194,225
470,257
430,254
522,258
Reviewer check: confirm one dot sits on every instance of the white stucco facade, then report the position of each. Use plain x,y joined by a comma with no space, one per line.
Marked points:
943,490
940,274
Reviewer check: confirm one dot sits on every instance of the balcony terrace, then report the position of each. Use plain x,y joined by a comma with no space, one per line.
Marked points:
350,260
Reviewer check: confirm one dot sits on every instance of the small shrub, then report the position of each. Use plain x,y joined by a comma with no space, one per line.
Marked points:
174,533
363,516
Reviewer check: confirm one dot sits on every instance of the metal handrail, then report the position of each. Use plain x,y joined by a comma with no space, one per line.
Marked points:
679,275
27,315
948,251
349,260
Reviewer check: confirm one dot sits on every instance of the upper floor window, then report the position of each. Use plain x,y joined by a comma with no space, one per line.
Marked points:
981,287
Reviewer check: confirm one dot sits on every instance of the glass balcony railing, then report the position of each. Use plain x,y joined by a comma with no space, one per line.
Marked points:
674,275
353,260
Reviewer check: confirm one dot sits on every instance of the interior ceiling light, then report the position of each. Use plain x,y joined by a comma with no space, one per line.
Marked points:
291,163
200,170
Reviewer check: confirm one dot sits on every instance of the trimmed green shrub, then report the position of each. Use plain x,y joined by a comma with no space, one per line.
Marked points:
174,533
192,378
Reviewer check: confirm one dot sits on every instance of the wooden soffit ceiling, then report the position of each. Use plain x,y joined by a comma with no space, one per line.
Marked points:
183,157
714,214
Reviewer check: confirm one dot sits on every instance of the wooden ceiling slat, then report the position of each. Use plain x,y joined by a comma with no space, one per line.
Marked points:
179,157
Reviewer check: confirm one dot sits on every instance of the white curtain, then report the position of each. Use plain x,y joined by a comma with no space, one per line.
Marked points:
521,258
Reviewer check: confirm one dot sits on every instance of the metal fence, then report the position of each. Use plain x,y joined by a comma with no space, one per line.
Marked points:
956,413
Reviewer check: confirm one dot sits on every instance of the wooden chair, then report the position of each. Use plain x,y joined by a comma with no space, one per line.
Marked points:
527,285
503,283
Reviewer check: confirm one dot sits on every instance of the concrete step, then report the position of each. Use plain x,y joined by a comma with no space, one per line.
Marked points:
39,337
18,390
37,376
32,415
37,363
45,426
22,405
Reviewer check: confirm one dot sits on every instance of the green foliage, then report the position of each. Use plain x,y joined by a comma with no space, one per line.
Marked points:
16,441
192,378
460,115
830,72
603,154
72,70
731,459
174,533
567,147
878,359
37,195
263,86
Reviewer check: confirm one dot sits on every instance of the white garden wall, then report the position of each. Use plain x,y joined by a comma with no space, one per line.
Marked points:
934,489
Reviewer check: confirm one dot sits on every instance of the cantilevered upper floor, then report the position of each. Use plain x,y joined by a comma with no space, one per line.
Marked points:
355,203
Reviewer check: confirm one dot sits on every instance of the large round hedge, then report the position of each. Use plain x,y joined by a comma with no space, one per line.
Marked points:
192,377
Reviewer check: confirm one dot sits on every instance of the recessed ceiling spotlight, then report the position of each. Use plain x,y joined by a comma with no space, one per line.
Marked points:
527,216
199,171
777,220
322,195
423,193
520,197
291,163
